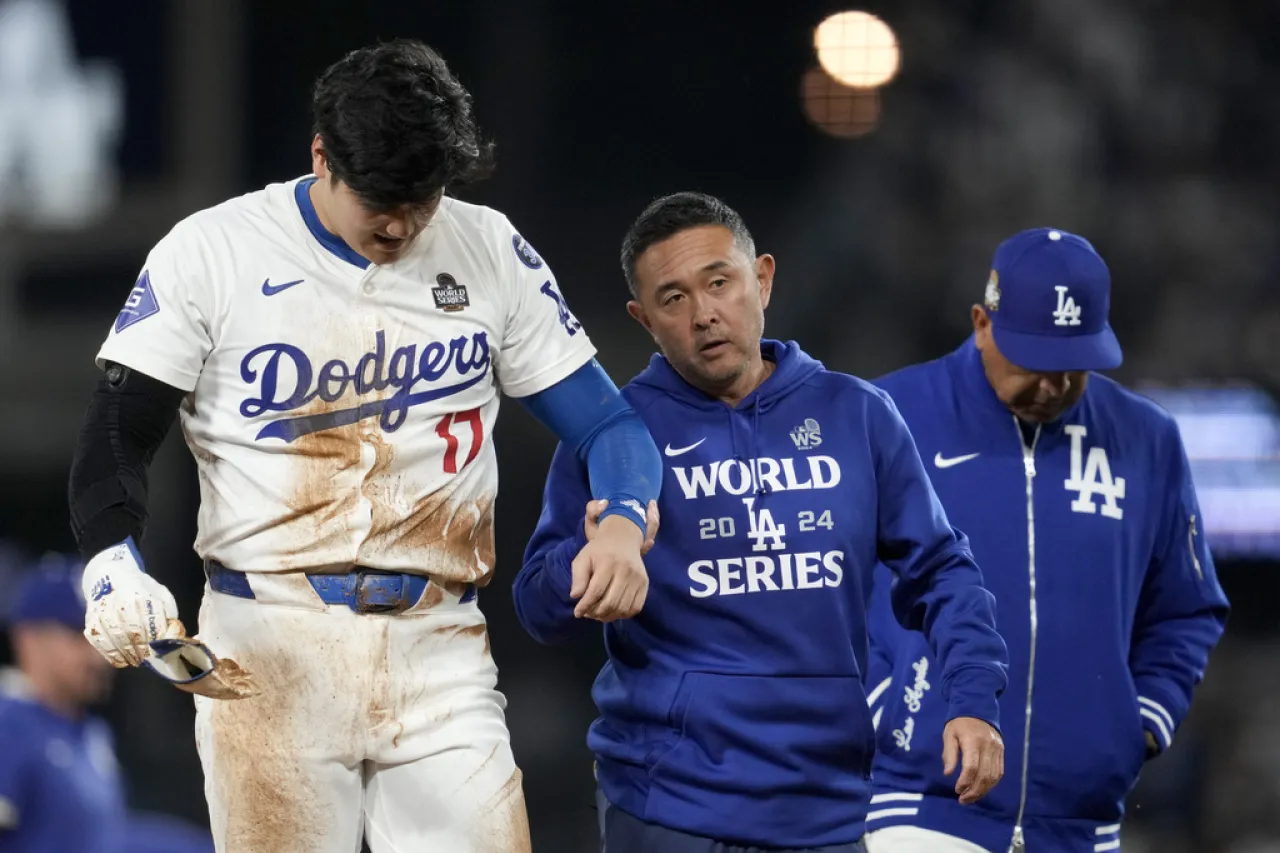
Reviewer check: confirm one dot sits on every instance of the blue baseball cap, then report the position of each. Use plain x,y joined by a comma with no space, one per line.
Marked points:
1049,297
50,592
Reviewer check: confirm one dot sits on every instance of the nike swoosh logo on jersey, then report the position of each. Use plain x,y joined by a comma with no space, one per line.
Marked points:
676,451
942,462
269,289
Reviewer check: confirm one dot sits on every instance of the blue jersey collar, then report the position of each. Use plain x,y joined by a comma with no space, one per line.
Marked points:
335,244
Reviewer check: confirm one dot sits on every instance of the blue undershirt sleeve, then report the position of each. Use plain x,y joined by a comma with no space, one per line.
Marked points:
589,415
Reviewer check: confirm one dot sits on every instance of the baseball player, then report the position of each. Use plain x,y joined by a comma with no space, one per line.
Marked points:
732,711
1077,497
335,346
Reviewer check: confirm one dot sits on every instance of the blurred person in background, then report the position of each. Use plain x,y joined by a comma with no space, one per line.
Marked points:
61,789
338,345
1076,495
732,708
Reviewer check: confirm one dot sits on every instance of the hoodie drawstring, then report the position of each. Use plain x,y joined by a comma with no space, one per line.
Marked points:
761,488
753,443
733,435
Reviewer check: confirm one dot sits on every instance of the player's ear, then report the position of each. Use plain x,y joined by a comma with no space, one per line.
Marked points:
319,164
981,324
636,310
765,266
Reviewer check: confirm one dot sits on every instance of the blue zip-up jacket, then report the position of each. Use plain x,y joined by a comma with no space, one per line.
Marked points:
732,706
1089,535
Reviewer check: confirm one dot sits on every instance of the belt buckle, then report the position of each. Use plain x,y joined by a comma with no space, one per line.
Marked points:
359,601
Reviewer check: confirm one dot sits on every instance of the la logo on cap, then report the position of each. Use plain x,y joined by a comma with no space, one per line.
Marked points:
1067,313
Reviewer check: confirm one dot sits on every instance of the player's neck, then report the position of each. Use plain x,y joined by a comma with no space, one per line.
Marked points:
318,192
752,378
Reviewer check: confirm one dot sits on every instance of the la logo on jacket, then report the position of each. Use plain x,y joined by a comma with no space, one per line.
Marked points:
1092,477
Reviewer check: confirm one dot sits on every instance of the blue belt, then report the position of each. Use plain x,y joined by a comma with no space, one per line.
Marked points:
363,590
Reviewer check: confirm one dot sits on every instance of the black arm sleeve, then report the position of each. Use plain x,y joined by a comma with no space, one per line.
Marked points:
129,415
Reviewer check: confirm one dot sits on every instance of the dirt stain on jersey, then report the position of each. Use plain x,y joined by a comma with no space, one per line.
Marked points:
338,469
325,492
451,543
327,487
380,487
206,460
451,539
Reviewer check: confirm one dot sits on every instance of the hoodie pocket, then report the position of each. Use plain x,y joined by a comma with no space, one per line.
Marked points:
760,755
676,722
742,732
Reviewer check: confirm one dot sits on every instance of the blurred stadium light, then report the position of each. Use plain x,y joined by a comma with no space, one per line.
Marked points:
857,53
98,159
838,109
59,121
1232,437
857,49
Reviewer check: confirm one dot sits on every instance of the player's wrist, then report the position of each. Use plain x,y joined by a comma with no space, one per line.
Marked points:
978,706
108,529
125,550
624,506
622,522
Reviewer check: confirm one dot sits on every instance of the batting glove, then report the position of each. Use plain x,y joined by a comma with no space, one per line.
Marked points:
127,608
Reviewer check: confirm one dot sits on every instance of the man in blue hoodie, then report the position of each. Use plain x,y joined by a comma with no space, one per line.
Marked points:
1077,497
732,710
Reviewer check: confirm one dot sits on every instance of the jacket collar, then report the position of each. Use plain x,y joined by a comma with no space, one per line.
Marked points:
977,393
971,379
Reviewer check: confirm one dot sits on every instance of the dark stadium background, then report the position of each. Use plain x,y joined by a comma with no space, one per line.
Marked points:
1149,126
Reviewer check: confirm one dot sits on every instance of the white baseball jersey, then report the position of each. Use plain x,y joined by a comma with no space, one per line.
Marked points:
343,415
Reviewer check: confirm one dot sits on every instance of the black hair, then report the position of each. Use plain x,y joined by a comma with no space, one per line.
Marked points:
672,214
396,125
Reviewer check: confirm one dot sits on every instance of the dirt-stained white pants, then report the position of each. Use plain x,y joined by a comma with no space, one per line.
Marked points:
388,726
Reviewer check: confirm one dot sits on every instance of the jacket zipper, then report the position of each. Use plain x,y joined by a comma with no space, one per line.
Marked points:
1029,466
1191,546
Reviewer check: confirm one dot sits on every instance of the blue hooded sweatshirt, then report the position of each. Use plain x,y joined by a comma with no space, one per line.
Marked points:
732,706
